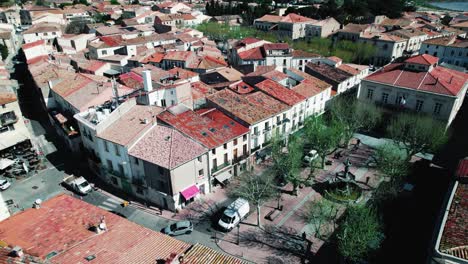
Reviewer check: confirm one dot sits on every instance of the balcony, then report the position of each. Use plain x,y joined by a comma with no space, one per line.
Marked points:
279,123
240,158
220,167
115,173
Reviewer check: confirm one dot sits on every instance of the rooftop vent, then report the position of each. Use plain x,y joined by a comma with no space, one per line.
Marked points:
212,129
167,138
17,252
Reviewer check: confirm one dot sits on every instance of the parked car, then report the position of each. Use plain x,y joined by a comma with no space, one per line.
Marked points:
179,228
311,156
233,214
77,184
4,184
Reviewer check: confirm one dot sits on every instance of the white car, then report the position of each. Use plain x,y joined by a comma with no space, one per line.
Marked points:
311,156
4,184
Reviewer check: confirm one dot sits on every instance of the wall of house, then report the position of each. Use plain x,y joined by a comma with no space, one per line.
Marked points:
13,131
375,92
48,36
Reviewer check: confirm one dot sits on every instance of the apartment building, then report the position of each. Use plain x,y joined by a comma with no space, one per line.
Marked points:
256,110
43,31
452,50
227,141
418,84
291,25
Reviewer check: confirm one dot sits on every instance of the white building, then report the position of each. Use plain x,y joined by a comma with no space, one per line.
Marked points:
451,50
418,84
43,31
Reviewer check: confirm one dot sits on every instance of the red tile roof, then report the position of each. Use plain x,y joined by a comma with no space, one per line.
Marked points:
59,230
309,88
439,80
241,87
179,55
131,125
276,46
251,54
166,147
7,97
295,18
182,73
200,254
249,40
210,127
131,79
454,236
156,57
33,44
280,92
424,59
200,90
251,108
462,170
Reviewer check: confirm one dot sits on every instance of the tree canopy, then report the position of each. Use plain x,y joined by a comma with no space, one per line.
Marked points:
353,116
321,136
417,133
360,233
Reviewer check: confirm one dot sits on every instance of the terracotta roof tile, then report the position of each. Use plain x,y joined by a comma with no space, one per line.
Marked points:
280,92
166,147
130,125
60,229
209,127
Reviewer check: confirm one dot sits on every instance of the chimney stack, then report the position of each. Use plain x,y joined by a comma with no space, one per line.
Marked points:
18,252
147,82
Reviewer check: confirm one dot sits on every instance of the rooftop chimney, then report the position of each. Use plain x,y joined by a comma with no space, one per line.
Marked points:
147,82
17,252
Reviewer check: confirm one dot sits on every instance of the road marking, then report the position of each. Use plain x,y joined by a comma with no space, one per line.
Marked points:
105,208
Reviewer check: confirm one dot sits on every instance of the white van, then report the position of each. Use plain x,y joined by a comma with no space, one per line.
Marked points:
234,213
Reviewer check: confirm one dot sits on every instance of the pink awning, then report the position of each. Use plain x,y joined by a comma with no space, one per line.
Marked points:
190,192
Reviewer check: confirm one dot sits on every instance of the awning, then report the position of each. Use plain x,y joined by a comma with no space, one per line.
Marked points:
223,176
190,192
5,163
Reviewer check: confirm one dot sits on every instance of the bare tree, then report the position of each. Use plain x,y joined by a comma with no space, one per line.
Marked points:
257,189
322,215
417,133
353,115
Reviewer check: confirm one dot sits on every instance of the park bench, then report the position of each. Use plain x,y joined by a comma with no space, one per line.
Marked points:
272,214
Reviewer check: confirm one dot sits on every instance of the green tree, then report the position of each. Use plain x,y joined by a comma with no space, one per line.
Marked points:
293,163
114,2
391,161
319,214
353,116
3,51
257,189
321,137
359,234
76,27
287,160
416,133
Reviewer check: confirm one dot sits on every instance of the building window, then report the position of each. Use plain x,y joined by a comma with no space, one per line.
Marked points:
114,181
163,102
244,138
121,169
106,147
215,164
384,98
235,141
213,151
225,158
117,150
225,146
437,108
419,105
135,160
109,165
104,52
200,172
199,159
370,94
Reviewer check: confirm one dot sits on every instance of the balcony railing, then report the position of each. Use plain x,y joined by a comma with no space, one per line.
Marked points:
222,166
115,173
255,148
242,157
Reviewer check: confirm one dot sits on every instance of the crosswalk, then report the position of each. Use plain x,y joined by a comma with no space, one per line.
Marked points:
110,204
